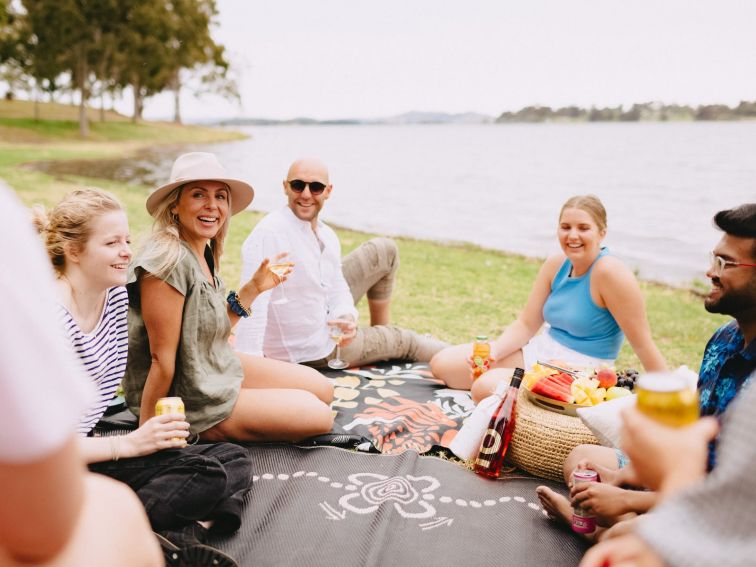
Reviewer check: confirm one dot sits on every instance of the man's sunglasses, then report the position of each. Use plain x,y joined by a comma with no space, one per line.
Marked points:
316,187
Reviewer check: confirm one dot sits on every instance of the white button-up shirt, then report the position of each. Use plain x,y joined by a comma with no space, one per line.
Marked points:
296,331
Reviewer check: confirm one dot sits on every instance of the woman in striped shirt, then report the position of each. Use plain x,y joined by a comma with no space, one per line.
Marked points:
87,239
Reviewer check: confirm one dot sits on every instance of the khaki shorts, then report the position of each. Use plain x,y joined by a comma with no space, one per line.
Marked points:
370,270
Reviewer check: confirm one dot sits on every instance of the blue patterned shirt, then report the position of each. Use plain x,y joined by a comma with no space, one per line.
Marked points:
727,365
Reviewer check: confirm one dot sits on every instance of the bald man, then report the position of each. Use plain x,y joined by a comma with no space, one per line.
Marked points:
322,290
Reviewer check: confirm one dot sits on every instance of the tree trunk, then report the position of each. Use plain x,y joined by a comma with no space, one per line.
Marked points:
83,120
177,103
137,116
102,106
36,106
176,87
82,84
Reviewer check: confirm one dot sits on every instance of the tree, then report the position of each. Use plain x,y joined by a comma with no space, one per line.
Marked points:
12,40
144,50
67,37
194,50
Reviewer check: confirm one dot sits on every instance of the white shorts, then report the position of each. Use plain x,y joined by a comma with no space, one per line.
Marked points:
544,347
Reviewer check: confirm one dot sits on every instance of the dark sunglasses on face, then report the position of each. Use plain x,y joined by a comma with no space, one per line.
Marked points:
316,187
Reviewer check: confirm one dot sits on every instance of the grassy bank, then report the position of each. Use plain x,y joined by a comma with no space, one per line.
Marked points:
454,292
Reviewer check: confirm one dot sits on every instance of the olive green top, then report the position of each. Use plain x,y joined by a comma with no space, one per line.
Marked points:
208,373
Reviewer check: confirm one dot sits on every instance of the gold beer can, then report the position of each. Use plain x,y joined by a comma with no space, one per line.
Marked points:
667,398
169,405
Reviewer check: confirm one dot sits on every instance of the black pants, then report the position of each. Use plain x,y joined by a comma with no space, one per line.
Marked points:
180,486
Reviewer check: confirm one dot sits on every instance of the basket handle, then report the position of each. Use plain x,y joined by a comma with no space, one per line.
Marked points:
542,403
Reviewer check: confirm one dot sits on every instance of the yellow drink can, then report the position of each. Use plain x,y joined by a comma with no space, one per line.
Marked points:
169,405
667,398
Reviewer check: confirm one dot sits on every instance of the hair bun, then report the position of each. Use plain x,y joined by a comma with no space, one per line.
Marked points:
40,219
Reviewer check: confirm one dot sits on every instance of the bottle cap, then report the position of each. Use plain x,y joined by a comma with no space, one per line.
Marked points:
481,337
517,377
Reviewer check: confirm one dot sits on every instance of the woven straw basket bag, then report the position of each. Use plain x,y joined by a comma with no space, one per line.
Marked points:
542,439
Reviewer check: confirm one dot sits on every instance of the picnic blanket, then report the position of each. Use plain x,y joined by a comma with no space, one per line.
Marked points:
386,504
326,506
393,407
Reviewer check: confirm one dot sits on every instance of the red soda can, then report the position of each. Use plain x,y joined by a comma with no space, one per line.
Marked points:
583,522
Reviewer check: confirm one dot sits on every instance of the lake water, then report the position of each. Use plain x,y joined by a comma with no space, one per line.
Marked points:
501,186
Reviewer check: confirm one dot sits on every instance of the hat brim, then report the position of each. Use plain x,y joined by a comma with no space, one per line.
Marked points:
241,193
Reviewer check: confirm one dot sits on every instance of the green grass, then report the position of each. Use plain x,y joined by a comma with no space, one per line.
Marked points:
59,123
452,291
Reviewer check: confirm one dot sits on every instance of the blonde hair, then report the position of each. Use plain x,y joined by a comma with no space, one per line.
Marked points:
68,224
163,249
591,205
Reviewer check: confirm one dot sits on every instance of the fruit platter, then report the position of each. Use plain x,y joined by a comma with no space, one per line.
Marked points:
562,389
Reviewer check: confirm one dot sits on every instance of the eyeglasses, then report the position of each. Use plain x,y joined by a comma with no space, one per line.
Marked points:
719,264
297,185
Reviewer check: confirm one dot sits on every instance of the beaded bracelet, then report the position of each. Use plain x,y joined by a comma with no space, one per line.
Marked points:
115,447
236,306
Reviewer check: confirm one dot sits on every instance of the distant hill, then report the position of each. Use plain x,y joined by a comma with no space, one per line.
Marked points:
438,118
414,117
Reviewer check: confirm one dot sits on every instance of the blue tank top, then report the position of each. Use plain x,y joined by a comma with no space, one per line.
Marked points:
576,321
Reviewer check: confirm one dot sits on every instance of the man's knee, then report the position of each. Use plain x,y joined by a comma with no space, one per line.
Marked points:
388,250
384,263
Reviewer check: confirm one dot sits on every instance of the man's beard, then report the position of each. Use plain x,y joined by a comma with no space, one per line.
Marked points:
731,302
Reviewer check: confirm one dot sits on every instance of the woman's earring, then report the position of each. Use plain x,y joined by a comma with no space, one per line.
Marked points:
175,218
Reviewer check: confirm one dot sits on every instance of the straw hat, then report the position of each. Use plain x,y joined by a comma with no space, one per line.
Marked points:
202,166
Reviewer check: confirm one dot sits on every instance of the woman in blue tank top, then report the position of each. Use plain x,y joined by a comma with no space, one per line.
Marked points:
589,299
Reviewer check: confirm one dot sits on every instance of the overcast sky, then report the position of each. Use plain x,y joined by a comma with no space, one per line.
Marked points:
354,58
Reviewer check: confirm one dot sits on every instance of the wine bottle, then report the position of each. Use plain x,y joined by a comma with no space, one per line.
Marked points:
467,441
499,433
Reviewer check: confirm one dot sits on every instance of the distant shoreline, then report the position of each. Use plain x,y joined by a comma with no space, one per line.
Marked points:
639,112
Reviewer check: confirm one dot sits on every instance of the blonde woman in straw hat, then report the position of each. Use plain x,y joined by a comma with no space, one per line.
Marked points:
181,317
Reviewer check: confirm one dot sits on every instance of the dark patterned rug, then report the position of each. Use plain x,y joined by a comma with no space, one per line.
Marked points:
393,407
331,507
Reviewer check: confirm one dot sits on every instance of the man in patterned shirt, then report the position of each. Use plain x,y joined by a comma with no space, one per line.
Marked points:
730,356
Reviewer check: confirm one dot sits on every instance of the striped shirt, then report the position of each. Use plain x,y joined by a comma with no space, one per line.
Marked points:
101,352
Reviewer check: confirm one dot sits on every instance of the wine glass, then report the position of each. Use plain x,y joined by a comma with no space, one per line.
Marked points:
280,269
337,335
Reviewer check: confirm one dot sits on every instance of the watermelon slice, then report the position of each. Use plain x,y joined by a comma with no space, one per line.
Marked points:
553,389
562,378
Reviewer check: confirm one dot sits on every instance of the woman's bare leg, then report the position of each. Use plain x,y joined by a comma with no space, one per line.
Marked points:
603,456
487,383
278,401
273,415
452,365
264,373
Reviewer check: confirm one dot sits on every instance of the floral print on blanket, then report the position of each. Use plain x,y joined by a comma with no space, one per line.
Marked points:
398,407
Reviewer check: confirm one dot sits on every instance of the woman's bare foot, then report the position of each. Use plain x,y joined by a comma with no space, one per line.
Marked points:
559,508
556,505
